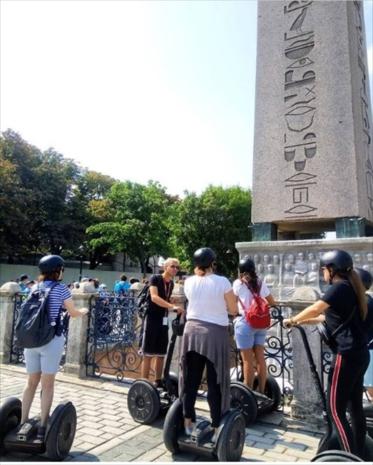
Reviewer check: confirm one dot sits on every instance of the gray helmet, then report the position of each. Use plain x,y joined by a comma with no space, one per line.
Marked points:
366,277
246,265
204,257
51,263
337,260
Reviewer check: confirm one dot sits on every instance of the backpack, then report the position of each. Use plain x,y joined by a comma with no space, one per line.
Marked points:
143,301
258,314
33,328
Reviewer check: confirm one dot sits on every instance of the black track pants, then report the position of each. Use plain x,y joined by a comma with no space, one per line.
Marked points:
345,388
194,366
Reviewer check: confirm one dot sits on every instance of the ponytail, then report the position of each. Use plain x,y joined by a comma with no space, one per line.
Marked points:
253,284
359,289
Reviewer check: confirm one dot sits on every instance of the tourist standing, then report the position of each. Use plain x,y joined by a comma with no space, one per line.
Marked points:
250,341
205,342
344,309
155,336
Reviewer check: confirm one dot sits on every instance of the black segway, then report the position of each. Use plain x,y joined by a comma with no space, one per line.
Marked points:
251,402
59,435
145,401
226,447
329,447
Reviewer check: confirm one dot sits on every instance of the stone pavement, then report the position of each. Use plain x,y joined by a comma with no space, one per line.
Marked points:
106,431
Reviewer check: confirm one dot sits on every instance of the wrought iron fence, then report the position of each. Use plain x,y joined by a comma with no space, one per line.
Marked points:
113,337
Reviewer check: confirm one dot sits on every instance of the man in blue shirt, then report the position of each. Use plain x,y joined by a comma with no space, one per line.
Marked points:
122,286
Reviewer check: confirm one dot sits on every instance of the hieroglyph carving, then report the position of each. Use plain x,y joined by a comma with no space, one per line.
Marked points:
364,103
300,144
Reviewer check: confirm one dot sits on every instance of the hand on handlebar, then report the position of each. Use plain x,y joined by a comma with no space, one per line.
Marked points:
289,323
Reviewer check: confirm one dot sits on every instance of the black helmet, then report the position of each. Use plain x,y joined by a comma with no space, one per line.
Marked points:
51,263
337,260
365,277
204,257
246,265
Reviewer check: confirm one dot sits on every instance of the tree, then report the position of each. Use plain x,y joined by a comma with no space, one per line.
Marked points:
218,218
138,221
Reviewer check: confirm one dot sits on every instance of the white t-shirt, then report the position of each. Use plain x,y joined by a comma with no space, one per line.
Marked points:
206,298
245,295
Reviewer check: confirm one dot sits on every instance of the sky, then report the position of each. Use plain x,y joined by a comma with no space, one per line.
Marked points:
138,90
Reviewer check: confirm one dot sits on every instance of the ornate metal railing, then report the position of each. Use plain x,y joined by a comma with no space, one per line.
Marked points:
16,352
113,337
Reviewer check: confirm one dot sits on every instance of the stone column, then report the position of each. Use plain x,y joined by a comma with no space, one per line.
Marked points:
76,351
7,296
306,403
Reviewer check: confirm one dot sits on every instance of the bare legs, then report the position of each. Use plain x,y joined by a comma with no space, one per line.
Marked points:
47,386
158,367
249,357
261,367
28,394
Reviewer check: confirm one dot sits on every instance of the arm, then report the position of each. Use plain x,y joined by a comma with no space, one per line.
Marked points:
307,315
156,299
271,301
72,311
231,301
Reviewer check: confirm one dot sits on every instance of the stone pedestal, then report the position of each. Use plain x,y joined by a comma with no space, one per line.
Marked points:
76,351
8,292
306,403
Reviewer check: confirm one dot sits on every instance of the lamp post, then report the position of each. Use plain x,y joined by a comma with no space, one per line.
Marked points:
81,250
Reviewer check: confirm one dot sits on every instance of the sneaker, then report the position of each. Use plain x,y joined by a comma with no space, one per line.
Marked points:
189,430
40,435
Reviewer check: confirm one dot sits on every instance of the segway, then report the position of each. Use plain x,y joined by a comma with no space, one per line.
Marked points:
145,401
226,447
251,402
329,447
59,434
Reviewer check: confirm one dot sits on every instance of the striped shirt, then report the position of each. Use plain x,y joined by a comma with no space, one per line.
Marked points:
56,298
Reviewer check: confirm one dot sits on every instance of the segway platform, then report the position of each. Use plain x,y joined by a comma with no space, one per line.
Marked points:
229,442
59,434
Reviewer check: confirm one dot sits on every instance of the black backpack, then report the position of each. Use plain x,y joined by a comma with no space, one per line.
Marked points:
143,301
33,328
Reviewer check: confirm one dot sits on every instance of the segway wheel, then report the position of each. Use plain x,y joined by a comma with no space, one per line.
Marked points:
61,431
10,414
336,456
10,417
273,391
173,426
143,402
244,400
232,438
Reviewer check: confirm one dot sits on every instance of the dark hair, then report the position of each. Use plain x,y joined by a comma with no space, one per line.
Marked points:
23,276
123,277
254,283
50,276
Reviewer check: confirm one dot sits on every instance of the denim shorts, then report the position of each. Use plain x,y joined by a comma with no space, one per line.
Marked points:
246,337
45,359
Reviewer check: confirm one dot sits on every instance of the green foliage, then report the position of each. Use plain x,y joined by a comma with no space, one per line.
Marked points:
218,218
138,221
48,204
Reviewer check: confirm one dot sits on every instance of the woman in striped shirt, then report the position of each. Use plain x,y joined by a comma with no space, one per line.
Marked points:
42,363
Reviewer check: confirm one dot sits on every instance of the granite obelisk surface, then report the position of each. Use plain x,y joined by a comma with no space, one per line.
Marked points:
313,156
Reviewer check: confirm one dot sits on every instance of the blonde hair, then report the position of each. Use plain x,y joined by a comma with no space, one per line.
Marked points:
169,261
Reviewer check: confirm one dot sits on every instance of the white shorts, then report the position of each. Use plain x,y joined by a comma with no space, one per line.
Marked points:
45,359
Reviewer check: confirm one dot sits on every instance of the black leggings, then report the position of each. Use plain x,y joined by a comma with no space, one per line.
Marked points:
193,371
345,389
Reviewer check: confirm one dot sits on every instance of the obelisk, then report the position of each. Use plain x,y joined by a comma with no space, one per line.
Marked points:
313,156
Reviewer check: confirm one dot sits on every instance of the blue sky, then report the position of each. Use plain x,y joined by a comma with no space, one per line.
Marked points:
137,90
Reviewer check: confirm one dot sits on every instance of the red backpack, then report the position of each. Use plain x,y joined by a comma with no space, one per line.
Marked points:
258,314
